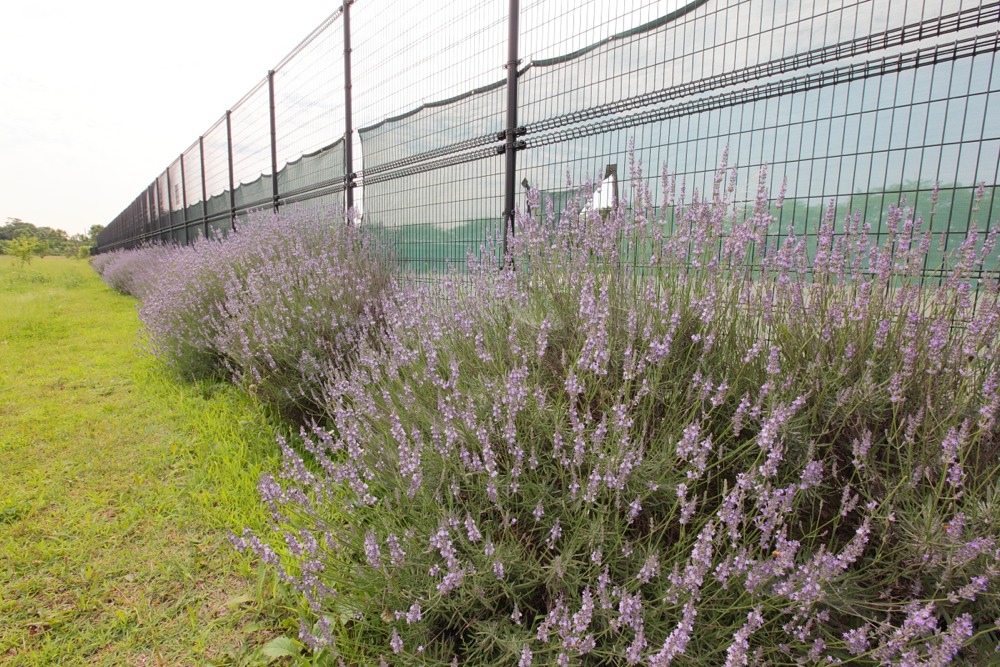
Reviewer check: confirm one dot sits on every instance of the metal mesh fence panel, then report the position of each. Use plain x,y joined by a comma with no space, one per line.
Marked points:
428,117
406,55
175,203
149,213
860,103
175,184
309,115
216,148
251,135
162,227
195,210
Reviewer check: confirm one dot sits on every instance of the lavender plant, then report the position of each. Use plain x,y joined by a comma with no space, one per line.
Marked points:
659,440
270,306
182,310
132,272
303,290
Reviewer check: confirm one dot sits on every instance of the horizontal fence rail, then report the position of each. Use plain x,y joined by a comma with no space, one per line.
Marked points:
432,124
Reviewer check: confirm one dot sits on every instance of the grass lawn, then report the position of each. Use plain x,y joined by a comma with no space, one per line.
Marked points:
118,487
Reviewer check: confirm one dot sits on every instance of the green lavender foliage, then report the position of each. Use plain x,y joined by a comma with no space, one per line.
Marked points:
660,441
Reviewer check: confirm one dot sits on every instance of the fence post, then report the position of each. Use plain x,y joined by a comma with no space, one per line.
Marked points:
232,189
204,190
159,208
512,130
170,205
348,123
154,211
184,200
274,142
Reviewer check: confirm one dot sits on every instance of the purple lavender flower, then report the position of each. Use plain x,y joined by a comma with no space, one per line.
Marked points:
634,508
471,529
951,642
812,475
396,642
634,652
860,447
676,643
857,640
737,653
649,570
554,534
978,584
950,448
396,553
516,614
372,551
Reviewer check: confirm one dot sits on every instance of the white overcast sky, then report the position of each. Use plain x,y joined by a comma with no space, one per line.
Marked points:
98,96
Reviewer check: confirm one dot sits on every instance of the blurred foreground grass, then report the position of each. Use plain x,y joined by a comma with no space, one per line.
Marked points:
118,487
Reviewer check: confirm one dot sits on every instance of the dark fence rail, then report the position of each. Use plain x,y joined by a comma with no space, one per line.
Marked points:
432,121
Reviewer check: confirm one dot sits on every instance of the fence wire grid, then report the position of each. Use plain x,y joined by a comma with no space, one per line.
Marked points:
431,124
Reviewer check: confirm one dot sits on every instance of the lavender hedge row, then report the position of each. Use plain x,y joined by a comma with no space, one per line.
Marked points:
264,306
653,438
650,442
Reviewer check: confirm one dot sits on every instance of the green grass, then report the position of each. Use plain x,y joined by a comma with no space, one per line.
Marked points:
118,487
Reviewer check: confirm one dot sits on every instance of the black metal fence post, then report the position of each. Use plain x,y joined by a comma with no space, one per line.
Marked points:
348,124
274,142
159,208
184,199
232,188
170,205
154,212
204,190
512,130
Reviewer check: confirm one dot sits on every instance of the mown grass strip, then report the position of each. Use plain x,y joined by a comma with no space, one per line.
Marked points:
118,487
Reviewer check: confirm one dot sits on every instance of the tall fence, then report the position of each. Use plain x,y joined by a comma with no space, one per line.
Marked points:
432,119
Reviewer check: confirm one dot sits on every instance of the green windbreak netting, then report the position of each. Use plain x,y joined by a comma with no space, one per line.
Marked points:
437,128
192,183
432,219
433,179
312,170
258,192
860,103
218,205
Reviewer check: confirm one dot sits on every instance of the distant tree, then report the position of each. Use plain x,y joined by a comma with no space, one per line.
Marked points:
24,248
76,244
93,232
55,240
15,227
50,241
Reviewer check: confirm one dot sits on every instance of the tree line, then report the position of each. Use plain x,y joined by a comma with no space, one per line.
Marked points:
25,240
